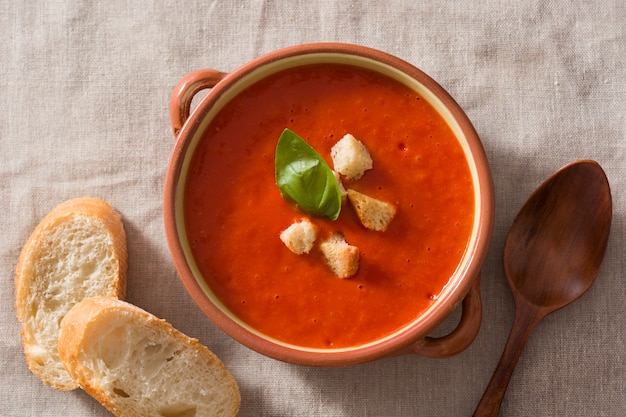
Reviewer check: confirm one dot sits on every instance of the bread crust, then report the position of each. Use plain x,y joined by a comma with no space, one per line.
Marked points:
27,274
97,312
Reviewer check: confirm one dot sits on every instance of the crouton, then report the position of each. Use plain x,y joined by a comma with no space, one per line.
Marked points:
341,258
350,157
374,214
342,189
299,237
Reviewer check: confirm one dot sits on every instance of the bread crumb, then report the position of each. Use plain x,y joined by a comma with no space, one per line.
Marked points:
374,214
299,237
341,258
350,157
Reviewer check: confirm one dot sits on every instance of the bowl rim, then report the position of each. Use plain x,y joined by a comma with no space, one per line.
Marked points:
410,334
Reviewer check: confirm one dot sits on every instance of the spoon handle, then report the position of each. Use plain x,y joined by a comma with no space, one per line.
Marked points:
526,318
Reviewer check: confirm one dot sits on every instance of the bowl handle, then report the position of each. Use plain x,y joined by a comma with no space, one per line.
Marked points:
184,92
462,336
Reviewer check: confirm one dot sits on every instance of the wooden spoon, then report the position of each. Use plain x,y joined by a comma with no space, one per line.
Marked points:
552,255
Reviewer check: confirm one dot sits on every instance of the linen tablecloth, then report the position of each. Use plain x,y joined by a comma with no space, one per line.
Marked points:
85,87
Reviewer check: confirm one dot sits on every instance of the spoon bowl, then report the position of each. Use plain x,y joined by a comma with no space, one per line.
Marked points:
552,256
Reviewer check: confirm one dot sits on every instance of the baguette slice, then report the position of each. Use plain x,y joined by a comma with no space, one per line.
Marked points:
77,251
136,364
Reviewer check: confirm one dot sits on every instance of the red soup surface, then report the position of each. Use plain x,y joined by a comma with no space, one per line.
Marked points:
235,213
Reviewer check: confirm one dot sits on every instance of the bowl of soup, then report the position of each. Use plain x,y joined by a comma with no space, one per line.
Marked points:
227,214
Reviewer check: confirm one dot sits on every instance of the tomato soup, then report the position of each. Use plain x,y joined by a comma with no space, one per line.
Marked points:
234,212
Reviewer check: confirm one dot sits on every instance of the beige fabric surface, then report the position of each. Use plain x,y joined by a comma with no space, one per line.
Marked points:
85,87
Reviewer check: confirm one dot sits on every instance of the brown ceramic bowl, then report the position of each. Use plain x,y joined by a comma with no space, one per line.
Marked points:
463,287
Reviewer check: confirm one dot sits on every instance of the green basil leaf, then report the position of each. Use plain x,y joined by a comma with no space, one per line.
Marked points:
304,178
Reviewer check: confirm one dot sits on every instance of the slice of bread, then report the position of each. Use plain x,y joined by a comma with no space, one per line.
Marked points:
136,364
374,214
78,250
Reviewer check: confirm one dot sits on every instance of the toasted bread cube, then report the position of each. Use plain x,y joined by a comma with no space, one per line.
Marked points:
341,258
342,189
350,157
299,237
374,214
